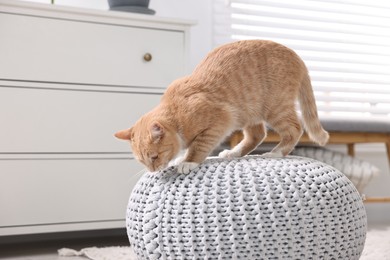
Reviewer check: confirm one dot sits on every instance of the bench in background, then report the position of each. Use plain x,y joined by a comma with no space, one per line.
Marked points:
344,131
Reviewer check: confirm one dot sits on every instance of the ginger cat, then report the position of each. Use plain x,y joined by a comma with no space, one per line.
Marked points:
241,85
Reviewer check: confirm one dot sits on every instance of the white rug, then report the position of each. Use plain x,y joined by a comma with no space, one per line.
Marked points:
102,253
377,247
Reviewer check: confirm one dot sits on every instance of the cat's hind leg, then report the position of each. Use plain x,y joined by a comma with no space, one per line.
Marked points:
290,131
253,136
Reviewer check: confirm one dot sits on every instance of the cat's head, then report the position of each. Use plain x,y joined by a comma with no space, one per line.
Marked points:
152,144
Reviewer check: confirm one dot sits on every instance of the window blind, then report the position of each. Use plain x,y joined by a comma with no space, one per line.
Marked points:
344,43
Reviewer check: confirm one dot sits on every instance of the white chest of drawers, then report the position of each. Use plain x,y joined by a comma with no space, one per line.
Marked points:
70,78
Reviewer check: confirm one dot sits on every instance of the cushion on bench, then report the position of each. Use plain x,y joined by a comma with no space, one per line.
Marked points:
362,125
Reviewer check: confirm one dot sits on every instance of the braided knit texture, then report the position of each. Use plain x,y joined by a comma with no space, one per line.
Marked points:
247,208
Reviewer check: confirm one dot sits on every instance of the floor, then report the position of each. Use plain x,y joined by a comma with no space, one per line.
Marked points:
376,248
45,247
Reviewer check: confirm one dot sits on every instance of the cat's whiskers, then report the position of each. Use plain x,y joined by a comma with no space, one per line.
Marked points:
137,175
160,168
141,172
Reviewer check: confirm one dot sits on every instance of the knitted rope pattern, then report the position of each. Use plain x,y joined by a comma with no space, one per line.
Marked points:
359,172
247,208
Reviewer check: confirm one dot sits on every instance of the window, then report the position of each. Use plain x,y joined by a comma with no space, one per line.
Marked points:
344,43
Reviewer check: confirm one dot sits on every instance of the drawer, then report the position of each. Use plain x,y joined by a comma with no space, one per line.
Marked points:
43,120
55,50
47,192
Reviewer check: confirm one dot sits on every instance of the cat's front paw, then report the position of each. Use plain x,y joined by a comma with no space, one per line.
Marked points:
229,154
186,167
176,161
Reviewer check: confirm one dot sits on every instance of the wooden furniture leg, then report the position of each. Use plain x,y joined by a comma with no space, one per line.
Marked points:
351,150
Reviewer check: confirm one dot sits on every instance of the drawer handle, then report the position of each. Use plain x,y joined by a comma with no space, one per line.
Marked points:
147,57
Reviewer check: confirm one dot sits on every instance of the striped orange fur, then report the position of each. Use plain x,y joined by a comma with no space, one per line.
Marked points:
249,85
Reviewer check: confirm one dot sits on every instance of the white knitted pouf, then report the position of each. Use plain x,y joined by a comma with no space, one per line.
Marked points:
358,171
247,208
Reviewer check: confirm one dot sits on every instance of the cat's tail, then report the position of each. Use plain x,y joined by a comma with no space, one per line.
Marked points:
309,113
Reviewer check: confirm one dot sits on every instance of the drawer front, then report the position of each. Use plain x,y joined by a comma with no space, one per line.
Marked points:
66,121
38,192
55,50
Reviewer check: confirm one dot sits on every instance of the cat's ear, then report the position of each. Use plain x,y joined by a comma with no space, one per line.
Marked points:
156,131
125,134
